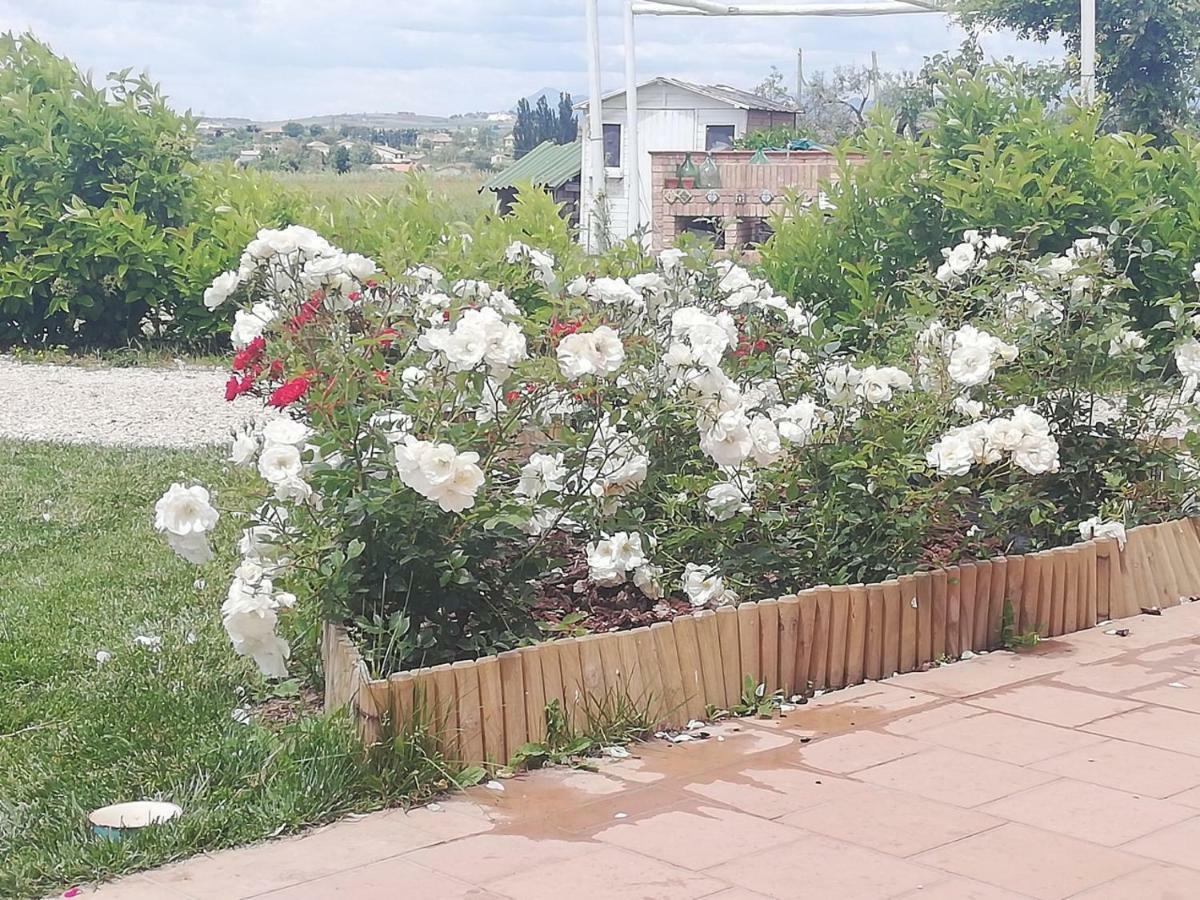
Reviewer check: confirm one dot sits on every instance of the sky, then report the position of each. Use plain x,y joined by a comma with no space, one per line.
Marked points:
275,59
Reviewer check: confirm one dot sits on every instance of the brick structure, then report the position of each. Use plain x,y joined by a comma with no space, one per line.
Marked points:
750,193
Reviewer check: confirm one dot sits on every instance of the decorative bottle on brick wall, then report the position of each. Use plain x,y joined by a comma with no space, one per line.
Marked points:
687,172
709,175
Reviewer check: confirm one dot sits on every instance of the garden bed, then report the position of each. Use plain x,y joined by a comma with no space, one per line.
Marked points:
823,638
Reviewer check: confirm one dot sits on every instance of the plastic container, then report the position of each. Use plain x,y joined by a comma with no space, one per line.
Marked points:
115,822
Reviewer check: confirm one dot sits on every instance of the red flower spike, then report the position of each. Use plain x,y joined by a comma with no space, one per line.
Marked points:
512,396
381,376
761,346
372,283
288,393
354,296
231,388
276,370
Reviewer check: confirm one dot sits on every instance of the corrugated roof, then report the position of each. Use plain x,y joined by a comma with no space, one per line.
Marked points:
546,165
722,93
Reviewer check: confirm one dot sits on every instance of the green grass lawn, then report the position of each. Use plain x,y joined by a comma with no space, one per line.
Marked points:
81,570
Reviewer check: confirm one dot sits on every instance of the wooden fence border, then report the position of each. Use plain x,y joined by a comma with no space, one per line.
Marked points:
824,637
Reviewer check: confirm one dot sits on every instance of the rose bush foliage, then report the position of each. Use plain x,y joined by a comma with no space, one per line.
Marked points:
446,444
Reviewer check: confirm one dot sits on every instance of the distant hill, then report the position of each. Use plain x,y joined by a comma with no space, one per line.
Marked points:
551,95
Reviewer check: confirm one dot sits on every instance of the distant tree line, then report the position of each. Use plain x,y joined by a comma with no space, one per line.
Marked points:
540,123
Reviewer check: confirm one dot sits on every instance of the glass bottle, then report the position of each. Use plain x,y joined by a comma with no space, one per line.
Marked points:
709,175
687,172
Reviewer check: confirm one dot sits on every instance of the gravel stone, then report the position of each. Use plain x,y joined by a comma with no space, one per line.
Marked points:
183,406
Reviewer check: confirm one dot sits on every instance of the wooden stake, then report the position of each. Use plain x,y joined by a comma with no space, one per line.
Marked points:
512,685
805,644
652,683
491,703
893,627
983,592
906,587
969,591
1070,557
839,625
856,634
996,600
674,701
924,618
691,674
574,690
731,656
938,620
470,716
710,658
748,637
819,672
1103,578
873,665
953,612
789,640
768,643
535,692
1088,585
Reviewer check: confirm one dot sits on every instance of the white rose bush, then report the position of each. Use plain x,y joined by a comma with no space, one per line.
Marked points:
455,458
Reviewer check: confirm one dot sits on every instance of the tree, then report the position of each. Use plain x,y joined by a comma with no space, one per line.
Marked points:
1147,51
772,87
568,125
293,129
341,160
539,123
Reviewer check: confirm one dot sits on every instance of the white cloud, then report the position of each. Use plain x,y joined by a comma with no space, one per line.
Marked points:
279,58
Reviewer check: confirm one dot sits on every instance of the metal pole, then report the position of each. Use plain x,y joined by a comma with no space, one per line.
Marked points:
799,74
1087,51
633,161
595,177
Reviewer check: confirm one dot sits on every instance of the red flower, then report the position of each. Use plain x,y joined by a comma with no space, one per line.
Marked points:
381,376
761,346
235,388
288,393
372,283
512,396
559,329
276,370
387,337
250,354
354,296
308,312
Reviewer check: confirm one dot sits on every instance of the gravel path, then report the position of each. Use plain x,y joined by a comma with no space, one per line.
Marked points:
163,407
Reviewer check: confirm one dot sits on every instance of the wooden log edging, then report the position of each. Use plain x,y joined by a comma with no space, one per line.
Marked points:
821,638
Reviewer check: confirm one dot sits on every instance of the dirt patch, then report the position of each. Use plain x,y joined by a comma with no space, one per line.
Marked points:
568,603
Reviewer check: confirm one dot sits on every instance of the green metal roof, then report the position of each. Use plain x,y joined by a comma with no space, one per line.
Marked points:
546,165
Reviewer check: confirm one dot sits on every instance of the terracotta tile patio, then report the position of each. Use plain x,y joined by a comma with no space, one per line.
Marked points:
1070,771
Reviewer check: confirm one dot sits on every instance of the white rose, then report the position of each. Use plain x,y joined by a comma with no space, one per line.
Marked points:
185,511
1037,454
1126,342
280,463
220,289
243,448
1187,358
725,500
285,431
703,586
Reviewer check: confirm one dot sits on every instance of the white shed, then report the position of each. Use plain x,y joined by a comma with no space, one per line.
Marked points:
672,115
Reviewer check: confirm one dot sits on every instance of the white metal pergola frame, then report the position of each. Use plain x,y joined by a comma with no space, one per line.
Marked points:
829,8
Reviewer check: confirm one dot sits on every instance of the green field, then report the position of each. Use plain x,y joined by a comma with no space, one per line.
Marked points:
461,194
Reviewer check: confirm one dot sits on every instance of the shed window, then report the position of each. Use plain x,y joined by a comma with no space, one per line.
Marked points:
612,146
718,137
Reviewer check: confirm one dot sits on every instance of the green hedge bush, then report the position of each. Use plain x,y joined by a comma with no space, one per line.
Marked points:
993,157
